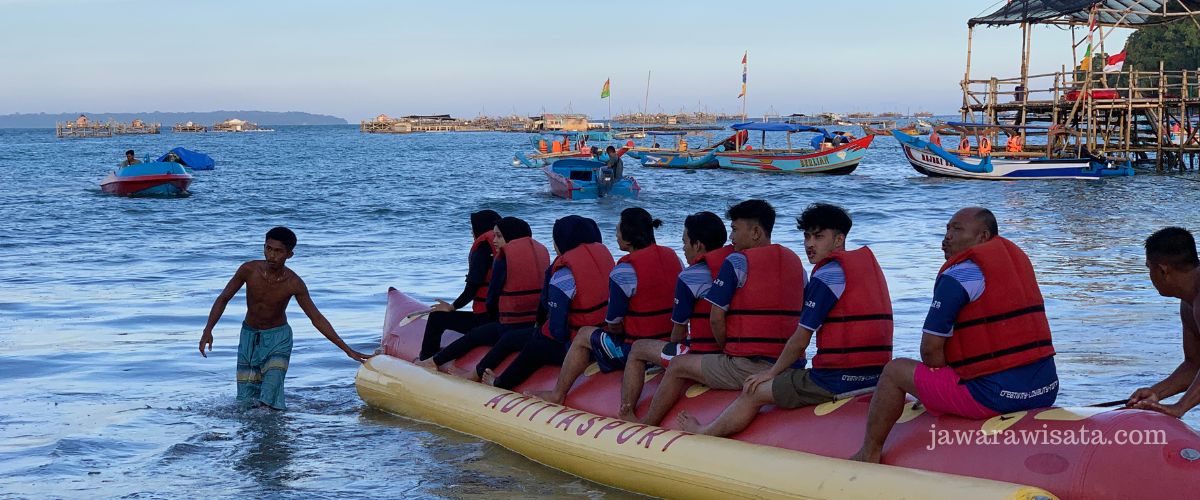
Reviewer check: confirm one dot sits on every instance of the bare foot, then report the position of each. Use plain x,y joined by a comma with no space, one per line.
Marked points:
548,396
687,423
464,373
627,414
426,363
489,377
865,456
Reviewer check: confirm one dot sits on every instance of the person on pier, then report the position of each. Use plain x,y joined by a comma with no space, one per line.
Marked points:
705,250
446,316
986,347
512,293
639,303
757,298
575,296
847,307
1175,272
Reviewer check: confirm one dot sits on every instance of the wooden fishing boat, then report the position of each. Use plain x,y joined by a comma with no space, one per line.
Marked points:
842,159
148,179
935,161
680,156
576,179
549,148
869,130
786,452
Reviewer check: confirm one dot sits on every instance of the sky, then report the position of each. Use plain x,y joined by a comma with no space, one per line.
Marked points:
356,59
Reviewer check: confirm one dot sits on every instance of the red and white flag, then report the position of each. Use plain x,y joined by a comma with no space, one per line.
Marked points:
1114,62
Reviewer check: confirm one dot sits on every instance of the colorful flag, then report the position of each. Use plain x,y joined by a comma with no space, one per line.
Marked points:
1115,62
604,90
1085,64
743,94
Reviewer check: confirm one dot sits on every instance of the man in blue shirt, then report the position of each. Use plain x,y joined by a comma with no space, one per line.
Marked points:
936,379
752,222
825,228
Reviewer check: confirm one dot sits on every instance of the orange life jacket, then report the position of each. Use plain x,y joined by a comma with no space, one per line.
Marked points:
649,314
765,311
479,302
964,145
542,148
857,333
590,264
985,146
1014,144
526,261
700,333
935,139
1006,326
556,147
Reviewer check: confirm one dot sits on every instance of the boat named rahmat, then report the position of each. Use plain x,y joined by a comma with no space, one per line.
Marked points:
787,453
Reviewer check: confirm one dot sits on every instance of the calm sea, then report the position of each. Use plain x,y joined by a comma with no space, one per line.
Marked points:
102,299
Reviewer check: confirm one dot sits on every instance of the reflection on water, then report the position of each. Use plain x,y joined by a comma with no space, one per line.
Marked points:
102,299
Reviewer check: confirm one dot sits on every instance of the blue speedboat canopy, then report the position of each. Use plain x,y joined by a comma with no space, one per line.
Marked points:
790,128
197,161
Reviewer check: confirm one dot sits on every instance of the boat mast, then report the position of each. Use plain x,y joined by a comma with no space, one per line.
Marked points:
646,103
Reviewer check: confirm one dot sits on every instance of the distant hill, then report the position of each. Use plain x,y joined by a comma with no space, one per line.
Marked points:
264,118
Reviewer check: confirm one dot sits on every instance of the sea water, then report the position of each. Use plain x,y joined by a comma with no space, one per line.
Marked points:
103,299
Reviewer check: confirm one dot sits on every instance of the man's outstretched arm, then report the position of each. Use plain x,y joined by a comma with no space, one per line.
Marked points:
218,308
322,325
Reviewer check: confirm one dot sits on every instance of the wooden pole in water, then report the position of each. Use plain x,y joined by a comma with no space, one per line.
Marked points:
966,83
1026,43
1158,127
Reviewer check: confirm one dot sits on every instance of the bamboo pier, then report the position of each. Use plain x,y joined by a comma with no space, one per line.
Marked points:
188,127
84,127
1145,116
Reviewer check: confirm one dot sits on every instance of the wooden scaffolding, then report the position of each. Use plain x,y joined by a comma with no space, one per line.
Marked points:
1147,117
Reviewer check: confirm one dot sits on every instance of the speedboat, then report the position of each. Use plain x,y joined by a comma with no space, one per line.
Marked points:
575,179
158,178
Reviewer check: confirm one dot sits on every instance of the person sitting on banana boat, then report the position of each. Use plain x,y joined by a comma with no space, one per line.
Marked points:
847,307
1175,272
575,296
757,298
446,316
639,303
986,347
512,292
705,250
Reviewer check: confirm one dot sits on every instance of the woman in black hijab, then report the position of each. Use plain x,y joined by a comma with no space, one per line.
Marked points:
446,316
528,262
547,343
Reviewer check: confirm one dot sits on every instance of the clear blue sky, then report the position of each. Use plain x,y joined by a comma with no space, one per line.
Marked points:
356,59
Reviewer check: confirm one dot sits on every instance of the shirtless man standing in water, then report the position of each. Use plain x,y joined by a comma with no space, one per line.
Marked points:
266,339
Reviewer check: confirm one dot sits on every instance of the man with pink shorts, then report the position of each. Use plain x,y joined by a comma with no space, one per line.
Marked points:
986,347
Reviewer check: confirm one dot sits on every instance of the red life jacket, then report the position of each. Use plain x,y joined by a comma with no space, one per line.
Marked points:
649,314
526,261
857,333
479,303
590,264
1006,326
765,311
699,328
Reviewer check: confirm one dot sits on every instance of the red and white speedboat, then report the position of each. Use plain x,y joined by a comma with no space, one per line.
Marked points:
159,178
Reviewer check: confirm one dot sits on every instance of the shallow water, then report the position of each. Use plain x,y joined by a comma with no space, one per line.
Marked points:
102,299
